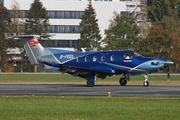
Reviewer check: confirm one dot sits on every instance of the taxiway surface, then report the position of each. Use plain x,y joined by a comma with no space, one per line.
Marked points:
82,90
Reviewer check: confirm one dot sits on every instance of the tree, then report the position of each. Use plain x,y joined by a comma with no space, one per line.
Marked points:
157,43
37,21
16,29
175,49
158,9
90,37
166,13
5,21
121,33
172,25
16,25
16,16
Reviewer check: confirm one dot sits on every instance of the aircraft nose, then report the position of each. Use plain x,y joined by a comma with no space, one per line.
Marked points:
161,61
168,62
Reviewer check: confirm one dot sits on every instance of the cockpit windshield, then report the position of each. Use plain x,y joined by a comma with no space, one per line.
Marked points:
131,55
137,54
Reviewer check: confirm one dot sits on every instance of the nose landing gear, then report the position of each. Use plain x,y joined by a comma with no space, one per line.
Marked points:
146,83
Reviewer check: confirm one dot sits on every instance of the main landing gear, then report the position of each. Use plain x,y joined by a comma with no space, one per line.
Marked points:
123,80
91,80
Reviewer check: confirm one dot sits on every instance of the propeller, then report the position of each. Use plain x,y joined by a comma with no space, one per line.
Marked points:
166,66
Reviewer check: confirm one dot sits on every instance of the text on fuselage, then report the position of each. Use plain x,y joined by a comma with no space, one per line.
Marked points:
67,56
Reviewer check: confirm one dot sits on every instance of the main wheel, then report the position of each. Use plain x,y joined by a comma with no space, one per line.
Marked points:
89,83
146,84
122,82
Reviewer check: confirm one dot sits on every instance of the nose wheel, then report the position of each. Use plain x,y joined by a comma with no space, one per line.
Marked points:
146,83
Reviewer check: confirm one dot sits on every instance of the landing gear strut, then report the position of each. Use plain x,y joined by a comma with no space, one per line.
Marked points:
91,81
146,83
123,80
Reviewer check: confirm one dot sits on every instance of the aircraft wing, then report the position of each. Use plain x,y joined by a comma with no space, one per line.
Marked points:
81,71
86,72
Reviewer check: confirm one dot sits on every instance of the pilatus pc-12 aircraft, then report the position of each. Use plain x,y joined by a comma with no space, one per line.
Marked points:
93,64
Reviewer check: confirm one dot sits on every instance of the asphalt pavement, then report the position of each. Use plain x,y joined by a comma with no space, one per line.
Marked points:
82,90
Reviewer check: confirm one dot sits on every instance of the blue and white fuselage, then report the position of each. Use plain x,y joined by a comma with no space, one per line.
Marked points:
90,65
112,62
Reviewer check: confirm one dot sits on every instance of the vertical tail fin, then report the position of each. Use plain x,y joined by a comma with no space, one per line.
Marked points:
32,47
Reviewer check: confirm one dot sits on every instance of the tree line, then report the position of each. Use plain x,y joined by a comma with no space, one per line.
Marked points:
162,39
36,22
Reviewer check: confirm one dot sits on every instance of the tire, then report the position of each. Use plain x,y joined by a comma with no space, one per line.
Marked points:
89,83
146,84
122,82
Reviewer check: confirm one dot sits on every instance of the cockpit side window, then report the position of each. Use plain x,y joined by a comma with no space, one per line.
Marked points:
127,56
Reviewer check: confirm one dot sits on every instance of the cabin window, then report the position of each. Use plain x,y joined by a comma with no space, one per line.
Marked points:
112,58
102,58
94,58
78,59
127,56
86,59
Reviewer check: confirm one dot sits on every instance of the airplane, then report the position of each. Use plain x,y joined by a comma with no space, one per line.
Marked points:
92,64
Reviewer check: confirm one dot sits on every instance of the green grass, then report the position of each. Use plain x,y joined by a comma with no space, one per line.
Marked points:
88,108
38,78
158,80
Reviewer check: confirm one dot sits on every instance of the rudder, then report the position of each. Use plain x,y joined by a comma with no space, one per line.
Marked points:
32,47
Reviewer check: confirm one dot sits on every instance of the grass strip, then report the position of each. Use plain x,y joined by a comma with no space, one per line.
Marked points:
88,108
155,80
